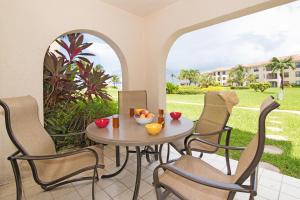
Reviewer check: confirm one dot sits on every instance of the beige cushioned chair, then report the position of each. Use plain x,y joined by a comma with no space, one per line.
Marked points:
49,168
211,124
193,179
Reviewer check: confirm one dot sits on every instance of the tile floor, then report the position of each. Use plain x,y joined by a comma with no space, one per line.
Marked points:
271,186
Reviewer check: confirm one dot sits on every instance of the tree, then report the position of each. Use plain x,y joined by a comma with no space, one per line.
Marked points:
172,77
206,80
278,65
237,75
115,79
251,78
99,68
190,75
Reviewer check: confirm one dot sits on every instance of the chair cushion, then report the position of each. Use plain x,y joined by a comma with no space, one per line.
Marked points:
50,170
191,190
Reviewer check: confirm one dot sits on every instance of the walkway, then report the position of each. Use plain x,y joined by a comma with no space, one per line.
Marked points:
239,107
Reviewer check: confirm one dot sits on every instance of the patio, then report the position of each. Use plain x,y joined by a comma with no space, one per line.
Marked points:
271,185
141,35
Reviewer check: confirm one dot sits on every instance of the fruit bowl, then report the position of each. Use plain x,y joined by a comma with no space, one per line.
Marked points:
175,115
102,123
143,116
143,120
153,128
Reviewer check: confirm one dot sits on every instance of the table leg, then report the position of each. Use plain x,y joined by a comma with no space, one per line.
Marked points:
156,155
138,173
117,156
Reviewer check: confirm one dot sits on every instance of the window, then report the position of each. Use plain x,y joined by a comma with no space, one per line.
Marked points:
219,79
214,73
273,76
257,76
268,68
224,78
224,73
298,74
256,69
219,73
297,82
273,83
286,74
297,64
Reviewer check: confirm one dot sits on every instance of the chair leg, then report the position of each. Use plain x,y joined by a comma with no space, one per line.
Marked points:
168,152
227,152
18,180
93,184
156,155
201,155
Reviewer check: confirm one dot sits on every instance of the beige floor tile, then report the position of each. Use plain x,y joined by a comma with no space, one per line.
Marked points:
69,196
128,181
115,189
103,183
99,195
144,188
62,190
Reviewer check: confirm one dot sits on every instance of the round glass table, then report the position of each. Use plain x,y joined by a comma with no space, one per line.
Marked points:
132,134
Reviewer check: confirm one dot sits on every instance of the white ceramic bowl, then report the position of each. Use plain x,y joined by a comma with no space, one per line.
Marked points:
143,120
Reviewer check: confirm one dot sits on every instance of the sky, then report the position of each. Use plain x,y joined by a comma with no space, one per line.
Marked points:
249,39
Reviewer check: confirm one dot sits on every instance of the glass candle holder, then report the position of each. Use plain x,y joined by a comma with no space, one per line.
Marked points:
115,119
161,112
131,112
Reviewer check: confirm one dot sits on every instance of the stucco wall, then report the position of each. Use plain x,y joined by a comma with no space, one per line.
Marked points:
28,27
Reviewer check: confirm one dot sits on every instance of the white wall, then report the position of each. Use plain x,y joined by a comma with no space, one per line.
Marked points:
28,27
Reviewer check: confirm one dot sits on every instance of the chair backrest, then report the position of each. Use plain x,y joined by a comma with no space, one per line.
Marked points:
216,112
24,127
251,156
132,99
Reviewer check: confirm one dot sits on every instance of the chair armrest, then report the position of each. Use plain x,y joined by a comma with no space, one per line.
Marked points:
69,134
55,156
215,145
205,181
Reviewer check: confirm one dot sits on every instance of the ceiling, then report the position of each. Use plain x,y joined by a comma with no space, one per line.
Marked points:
140,7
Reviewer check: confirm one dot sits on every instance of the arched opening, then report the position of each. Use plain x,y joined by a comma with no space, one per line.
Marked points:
82,74
239,63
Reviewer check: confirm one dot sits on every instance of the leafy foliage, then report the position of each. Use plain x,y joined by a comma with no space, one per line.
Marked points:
279,65
171,88
74,89
189,75
260,86
206,80
237,75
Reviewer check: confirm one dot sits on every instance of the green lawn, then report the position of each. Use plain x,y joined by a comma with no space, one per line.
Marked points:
250,98
245,123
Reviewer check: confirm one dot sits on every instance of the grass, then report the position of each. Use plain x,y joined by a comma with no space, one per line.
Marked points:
249,98
245,123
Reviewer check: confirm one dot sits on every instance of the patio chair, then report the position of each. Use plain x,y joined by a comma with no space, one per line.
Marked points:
211,125
134,99
50,169
192,178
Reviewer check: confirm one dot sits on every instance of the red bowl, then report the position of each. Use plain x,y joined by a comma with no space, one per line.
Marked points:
102,123
175,115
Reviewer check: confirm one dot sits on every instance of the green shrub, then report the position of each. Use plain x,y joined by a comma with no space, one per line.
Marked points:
239,87
211,88
260,86
171,88
295,85
189,90
74,117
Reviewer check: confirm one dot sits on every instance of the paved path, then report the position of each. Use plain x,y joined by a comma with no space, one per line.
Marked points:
239,107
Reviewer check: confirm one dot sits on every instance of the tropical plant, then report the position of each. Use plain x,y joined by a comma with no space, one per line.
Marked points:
190,75
115,79
250,78
173,76
237,75
279,65
171,88
206,80
260,86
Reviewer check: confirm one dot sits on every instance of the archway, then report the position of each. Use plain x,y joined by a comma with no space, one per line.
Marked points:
82,73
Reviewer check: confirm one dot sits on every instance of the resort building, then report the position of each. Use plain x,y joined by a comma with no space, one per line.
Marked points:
262,73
